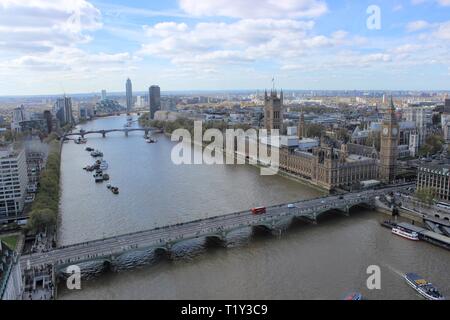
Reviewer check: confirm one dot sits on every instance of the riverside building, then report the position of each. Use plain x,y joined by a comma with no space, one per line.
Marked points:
13,182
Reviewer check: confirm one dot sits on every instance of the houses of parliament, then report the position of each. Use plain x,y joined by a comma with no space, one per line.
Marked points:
336,164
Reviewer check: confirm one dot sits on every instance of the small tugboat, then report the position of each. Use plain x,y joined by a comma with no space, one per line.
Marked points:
89,149
105,177
80,140
96,154
103,165
414,236
115,190
109,186
89,168
98,177
423,287
354,297
151,140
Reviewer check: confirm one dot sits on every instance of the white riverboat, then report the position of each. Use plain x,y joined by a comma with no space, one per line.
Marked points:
410,235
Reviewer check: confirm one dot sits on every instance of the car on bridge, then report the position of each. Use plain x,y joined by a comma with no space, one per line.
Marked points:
259,210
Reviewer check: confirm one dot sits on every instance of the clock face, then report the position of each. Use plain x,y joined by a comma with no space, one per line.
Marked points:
394,131
385,131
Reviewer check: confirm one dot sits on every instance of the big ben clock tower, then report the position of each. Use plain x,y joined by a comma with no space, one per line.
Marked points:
389,146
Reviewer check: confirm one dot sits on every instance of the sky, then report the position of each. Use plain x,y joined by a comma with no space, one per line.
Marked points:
84,46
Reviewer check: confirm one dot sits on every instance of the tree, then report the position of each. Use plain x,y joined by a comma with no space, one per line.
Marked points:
42,218
44,210
426,195
433,145
314,130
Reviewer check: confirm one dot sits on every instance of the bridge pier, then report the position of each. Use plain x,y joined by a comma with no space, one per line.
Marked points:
126,133
311,218
104,134
346,211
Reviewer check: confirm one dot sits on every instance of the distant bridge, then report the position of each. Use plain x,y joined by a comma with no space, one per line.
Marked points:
82,133
162,239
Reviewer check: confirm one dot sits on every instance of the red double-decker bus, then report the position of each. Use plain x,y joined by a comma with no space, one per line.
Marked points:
260,210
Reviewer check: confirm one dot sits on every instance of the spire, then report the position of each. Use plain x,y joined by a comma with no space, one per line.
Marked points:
392,106
301,126
281,97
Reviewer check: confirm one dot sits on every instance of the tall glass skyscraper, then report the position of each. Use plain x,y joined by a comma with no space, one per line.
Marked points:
129,90
63,110
154,100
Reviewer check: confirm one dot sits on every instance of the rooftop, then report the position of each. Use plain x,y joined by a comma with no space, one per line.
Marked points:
438,169
8,152
356,158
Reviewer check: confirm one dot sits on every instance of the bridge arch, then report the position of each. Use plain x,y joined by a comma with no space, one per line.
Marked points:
215,237
266,227
345,209
161,250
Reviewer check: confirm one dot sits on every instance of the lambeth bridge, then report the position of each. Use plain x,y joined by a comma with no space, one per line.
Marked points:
162,239
82,133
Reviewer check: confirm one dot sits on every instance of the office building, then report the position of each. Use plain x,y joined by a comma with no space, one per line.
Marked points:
63,111
422,117
154,100
19,115
104,95
129,95
48,120
436,178
13,182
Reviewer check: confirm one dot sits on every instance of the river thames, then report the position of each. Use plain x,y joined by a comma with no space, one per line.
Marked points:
324,261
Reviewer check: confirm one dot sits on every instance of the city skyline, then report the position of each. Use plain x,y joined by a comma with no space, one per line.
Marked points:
88,46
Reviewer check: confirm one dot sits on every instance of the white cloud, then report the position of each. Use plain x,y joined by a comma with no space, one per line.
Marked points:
255,8
417,25
244,41
39,25
444,3
45,35
443,31
406,49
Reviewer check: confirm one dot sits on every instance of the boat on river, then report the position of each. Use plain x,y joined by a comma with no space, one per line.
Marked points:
410,235
96,154
80,140
423,287
103,165
98,177
356,296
